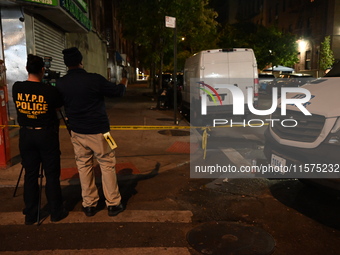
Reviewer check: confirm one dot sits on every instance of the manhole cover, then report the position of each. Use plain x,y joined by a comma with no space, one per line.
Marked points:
229,238
174,132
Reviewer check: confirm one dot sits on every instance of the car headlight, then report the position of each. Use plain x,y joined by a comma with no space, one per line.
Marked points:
334,136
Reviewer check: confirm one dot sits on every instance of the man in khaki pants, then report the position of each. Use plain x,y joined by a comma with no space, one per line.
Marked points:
83,95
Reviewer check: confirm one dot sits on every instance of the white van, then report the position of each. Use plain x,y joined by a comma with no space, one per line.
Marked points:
311,149
206,69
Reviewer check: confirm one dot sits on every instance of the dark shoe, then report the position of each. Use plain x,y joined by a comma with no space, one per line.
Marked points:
62,215
89,211
30,220
115,210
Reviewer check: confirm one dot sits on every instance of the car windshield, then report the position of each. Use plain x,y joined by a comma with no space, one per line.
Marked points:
334,72
266,76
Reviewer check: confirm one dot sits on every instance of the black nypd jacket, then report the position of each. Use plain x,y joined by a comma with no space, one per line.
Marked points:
36,103
83,94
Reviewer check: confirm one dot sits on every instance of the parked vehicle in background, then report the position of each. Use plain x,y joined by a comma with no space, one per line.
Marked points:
277,83
264,79
315,140
291,80
166,93
180,80
298,80
166,79
204,71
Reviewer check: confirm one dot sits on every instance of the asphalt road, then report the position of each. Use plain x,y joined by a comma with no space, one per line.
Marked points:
169,212
164,209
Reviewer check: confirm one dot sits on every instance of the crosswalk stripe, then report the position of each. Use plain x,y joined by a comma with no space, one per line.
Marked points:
251,137
239,161
235,157
17,218
116,251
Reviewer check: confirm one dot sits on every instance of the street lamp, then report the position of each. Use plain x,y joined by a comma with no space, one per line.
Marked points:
302,45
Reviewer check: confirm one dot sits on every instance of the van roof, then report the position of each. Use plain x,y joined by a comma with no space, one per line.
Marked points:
227,50
223,50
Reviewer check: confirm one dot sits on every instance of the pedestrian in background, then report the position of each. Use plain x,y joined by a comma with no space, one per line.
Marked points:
83,95
36,104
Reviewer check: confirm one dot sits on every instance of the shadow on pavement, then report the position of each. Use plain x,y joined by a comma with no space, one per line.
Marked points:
127,183
316,203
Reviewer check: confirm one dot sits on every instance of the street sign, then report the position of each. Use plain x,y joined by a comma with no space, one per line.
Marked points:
46,2
170,22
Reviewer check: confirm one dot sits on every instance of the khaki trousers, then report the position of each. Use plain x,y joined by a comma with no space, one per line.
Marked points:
88,147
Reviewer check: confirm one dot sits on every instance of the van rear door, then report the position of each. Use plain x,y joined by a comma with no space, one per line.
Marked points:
242,69
215,69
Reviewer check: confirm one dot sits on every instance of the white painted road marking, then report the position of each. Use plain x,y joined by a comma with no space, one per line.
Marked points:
17,218
235,157
115,251
239,161
251,137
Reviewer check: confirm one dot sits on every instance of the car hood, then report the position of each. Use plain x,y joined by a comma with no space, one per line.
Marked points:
325,97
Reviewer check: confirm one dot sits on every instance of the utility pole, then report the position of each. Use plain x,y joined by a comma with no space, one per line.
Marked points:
171,22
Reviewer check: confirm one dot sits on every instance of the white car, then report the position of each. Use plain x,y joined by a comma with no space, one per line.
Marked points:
310,150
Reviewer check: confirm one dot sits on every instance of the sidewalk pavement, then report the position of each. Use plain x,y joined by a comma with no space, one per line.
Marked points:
161,146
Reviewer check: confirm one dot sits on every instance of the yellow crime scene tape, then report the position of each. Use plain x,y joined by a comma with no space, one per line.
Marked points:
142,127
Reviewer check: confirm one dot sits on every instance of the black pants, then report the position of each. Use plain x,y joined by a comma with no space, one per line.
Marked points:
41,146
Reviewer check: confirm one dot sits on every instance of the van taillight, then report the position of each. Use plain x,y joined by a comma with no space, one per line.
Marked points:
256,92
